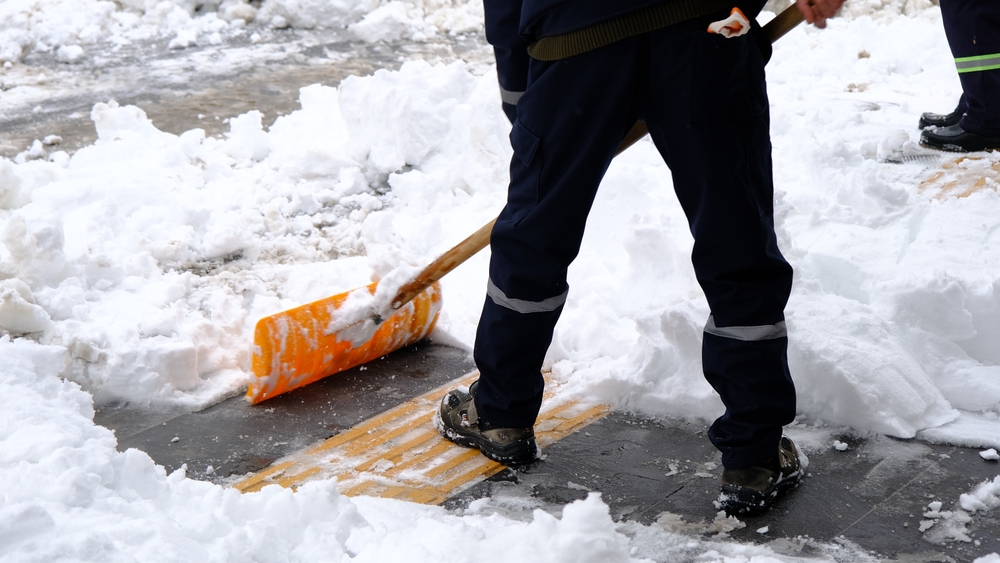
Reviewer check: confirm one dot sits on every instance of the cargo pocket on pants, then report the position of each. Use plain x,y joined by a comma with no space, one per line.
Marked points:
525,169
729,80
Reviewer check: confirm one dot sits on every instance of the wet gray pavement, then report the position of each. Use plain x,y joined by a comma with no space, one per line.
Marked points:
873,496
869,499
234,438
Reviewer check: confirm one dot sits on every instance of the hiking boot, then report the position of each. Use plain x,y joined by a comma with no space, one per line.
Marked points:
939,119
753,490
955,139
458,421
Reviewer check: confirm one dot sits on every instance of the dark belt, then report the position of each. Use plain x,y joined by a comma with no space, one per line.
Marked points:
636,23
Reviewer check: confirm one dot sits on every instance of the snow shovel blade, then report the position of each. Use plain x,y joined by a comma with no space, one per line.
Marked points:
297,347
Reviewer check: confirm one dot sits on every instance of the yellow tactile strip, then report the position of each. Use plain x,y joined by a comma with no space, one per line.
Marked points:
400,454
963,176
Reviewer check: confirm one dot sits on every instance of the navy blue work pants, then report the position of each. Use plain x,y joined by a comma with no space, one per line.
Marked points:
704,100
973,31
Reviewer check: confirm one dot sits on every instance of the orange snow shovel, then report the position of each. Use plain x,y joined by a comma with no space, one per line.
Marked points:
301,345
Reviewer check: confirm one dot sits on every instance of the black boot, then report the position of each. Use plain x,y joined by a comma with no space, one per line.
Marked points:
459,422
939,119
955,139
753,490
945,120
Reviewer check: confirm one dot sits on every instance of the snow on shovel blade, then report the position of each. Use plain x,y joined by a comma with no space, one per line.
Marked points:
298,346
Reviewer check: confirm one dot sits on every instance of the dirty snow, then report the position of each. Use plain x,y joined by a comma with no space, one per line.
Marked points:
942,526
136,268
75,29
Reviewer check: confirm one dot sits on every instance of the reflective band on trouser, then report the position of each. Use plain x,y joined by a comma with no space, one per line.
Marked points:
522,306
508,97
978,64
747,333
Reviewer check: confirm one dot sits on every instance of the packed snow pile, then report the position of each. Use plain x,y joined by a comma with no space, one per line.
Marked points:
72,30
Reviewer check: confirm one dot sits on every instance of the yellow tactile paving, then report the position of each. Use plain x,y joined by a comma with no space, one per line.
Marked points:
467,454
440,446
358,446
361,430
400,454
395,455
963,176
294,479
251,483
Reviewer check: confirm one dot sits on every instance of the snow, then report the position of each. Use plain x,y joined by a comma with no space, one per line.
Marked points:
75,29
135,268
950,525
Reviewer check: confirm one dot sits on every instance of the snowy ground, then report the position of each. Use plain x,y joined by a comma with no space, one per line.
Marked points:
135,268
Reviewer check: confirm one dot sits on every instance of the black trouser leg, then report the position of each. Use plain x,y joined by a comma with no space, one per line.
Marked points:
570,121
973,30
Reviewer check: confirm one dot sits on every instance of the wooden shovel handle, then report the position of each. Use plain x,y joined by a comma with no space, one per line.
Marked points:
478,241
444,264
775,29
784,22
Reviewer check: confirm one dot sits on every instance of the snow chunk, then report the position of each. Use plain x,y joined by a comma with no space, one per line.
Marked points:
944,525
990,454
391,22
232,10
985,496
246,138
18,312
894,146
128,123
11,194
69,54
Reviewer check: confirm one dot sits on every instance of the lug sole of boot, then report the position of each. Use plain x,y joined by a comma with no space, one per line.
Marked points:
520,452
740,501
948,147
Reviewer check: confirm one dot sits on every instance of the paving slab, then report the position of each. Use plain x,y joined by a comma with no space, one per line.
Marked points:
234,438
871,498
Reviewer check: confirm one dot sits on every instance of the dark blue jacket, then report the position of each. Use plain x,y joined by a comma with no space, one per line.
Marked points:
511,25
